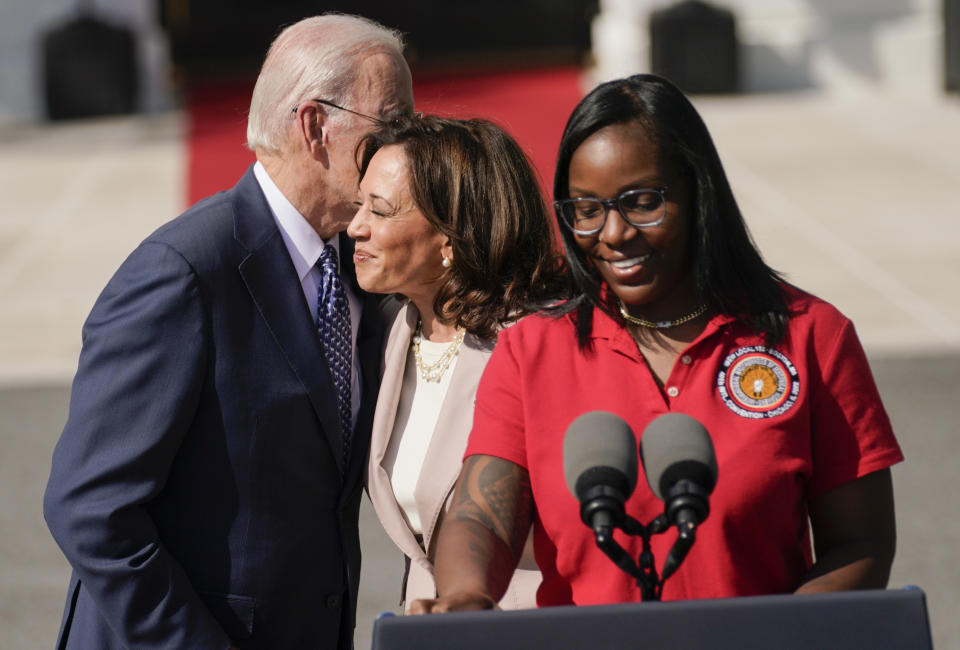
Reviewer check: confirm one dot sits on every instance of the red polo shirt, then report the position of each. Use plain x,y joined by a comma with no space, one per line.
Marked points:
788,423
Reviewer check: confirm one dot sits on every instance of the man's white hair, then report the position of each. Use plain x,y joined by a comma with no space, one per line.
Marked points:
317,57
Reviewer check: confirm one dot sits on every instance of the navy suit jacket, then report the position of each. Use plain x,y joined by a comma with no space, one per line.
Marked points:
199,489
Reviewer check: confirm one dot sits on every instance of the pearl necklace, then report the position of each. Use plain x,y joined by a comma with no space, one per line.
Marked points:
434,371
662,324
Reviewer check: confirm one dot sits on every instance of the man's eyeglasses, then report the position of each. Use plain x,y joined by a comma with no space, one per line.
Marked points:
376,120
641,208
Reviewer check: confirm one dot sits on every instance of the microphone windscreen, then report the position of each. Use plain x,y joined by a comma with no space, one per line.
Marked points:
674,447
599,448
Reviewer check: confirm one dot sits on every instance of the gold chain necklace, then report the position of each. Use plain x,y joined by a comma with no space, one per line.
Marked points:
662,324
434,371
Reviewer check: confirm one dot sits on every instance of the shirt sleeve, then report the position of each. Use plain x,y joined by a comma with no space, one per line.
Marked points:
851,431
498,417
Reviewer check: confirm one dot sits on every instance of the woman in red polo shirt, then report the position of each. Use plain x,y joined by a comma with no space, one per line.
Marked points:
675,311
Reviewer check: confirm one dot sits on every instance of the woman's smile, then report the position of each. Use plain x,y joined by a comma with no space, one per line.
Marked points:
626,267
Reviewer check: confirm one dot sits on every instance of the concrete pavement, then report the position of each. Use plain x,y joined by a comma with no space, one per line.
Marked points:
854,198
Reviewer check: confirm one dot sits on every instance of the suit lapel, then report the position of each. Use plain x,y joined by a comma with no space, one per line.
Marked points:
369,345
275,289
445,453
378,480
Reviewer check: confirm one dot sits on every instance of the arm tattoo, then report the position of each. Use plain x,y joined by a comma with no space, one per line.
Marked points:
496,494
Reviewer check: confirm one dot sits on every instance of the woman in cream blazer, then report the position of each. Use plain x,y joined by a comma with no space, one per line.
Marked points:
441,466
451,221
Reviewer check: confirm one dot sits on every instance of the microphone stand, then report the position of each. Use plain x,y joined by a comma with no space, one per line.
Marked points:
602,509
645,571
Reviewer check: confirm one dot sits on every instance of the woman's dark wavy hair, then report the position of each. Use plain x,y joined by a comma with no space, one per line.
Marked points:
472,181
728,273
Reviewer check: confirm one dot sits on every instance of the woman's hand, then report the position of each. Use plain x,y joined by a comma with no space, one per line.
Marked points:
459,602
481,538
854,536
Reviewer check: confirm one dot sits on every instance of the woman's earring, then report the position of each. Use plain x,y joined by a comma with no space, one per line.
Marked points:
446,262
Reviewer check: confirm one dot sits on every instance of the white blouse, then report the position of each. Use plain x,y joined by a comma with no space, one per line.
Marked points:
413,427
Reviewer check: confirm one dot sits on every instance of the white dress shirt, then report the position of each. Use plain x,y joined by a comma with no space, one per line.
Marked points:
304,246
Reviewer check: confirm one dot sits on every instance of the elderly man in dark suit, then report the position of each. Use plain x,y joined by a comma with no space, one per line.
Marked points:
207,484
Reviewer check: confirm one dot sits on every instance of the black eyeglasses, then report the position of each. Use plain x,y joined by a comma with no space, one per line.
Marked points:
376,120
641,208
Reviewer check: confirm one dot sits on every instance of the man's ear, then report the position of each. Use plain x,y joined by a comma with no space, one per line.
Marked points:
312,129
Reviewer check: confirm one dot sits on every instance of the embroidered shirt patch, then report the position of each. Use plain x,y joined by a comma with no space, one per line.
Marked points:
758,382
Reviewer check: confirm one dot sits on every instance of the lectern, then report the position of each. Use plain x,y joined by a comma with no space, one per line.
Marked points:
893,619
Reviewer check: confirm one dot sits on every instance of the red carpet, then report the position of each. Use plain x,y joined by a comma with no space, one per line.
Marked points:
533,105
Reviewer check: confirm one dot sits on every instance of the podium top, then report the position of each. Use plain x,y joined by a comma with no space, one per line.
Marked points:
893,619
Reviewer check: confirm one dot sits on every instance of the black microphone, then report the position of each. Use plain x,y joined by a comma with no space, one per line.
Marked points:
600,467
681,468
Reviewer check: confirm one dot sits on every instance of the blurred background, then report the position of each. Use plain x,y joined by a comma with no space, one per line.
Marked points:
149,50
838,122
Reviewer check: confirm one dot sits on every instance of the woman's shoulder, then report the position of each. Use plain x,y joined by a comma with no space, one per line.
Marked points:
812,317
804,304
538,326
538,309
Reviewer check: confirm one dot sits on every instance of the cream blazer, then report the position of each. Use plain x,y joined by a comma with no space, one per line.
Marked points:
441,467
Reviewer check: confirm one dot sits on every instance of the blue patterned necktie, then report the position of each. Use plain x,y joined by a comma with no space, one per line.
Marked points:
333,325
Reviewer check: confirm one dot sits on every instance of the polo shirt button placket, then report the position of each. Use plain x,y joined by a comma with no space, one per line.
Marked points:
673,391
